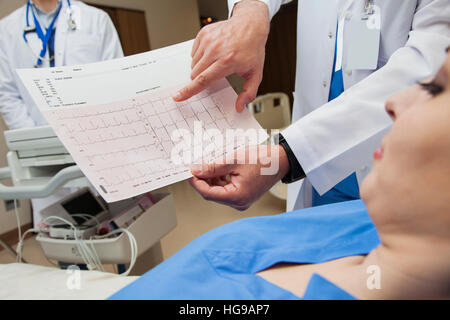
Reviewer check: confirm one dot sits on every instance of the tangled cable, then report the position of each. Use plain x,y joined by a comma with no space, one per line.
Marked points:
86,247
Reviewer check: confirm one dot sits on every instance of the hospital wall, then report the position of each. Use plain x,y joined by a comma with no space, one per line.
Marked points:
168,22
217,9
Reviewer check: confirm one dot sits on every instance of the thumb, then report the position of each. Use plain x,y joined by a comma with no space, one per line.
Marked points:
211,170
249,91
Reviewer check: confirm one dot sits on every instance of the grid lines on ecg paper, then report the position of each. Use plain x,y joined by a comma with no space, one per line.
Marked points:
145,125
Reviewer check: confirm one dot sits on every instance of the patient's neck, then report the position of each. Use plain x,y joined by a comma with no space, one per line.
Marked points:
409,268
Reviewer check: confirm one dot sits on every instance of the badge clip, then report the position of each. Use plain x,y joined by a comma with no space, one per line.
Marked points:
368,10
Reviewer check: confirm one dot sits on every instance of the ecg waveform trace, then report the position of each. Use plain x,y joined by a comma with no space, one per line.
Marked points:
125,147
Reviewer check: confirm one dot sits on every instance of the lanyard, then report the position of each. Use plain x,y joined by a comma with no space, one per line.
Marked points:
45,38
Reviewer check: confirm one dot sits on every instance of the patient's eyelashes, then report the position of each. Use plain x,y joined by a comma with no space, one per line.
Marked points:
432,87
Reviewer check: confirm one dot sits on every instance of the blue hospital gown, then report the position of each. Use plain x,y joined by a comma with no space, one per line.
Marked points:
222,264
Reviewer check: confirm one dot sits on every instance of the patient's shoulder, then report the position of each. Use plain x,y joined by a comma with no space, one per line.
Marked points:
312,227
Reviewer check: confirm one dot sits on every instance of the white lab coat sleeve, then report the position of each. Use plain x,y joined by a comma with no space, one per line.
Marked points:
273,5
328,141
12,107
111,47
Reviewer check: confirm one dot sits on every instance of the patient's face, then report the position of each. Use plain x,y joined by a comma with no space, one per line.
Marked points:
409,185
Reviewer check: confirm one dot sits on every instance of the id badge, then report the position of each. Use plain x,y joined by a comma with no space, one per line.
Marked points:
364,41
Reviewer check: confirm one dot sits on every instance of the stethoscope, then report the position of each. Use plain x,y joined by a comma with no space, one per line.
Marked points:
45,37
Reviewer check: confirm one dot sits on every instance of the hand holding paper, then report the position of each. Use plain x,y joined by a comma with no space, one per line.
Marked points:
120,124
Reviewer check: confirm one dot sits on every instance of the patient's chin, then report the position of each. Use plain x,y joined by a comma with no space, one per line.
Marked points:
368,188
372,192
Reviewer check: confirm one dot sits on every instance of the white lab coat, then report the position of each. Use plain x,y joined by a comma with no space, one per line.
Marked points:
333,139
94,39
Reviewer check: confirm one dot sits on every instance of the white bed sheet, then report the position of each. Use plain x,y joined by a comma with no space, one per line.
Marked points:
31,282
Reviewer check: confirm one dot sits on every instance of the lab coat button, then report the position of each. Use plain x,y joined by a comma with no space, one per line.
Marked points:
330,35
349,72
324,83
348,16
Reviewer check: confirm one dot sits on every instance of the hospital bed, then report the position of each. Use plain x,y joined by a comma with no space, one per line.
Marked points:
21,281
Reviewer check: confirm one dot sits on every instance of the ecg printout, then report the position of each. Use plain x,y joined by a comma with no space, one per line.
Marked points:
116,118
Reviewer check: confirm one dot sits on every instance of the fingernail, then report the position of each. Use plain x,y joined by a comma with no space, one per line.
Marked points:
177,96
196,168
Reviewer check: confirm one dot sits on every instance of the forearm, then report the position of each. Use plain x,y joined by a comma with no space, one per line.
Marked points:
289,165
283,162
249,6
272,6
253,10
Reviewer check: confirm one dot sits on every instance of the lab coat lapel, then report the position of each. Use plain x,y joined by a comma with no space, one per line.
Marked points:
316,40
61,35
299,195
293,194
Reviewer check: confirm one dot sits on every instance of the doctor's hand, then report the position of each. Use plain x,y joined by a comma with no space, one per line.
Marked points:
236,184
236,45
